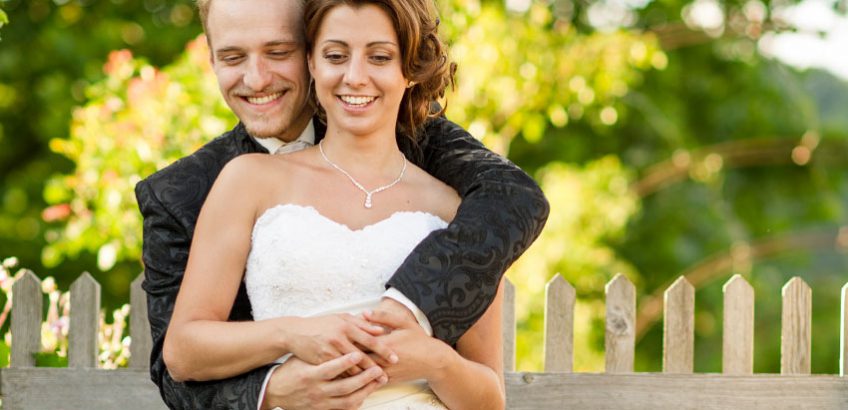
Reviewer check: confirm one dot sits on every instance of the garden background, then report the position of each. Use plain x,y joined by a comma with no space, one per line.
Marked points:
666,134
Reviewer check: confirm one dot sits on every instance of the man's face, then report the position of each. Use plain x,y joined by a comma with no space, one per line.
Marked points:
258,56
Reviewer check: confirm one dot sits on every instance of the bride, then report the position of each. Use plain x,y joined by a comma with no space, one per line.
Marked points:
320,231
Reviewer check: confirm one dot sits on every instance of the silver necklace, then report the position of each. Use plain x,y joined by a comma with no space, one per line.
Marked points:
368,194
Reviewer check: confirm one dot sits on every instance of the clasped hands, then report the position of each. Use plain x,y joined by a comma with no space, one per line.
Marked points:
338,360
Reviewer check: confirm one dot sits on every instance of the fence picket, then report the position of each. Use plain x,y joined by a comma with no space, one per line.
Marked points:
82,385
509,326
796,330
26,320
620,335
559,325
843,333
679,327
738,335
85,322
141,342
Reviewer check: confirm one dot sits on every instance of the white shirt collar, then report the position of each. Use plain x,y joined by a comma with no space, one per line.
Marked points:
272,144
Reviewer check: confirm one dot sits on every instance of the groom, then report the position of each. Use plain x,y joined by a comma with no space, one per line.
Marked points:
258,55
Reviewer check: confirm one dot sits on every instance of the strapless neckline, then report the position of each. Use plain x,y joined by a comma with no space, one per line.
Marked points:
274,210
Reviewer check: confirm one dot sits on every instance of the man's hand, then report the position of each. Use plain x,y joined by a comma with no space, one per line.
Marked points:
397,310
317,340
300,385
420,356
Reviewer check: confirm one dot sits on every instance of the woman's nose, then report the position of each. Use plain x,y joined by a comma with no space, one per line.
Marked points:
356,74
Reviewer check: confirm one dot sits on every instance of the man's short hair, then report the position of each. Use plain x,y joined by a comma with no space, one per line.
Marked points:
203,11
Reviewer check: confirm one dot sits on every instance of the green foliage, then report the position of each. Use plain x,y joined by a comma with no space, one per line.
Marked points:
590,207
658,144
138,119
518,73
49,54
4,19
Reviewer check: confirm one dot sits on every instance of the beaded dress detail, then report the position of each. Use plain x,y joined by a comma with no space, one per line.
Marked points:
302,263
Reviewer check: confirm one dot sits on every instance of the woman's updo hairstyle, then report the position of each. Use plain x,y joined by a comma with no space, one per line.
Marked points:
424,58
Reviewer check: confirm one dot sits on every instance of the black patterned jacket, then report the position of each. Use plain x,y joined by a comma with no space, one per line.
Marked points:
452,275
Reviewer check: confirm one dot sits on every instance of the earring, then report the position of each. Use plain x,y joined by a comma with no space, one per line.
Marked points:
410,84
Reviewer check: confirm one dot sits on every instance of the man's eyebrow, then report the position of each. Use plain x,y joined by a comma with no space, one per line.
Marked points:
275,43
282,43
227,50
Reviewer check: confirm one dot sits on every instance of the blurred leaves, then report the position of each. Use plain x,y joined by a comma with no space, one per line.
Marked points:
518,73
660,137
137,120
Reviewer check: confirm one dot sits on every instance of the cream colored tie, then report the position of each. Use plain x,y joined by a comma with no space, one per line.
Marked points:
292,147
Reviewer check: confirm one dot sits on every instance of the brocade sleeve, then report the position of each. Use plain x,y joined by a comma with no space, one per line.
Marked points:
453,274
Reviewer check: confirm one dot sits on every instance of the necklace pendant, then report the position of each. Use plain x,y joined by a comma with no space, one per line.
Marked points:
368,201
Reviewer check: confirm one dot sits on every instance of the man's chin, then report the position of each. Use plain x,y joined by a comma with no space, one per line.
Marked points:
264,131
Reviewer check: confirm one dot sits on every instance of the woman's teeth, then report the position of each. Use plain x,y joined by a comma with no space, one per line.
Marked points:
351,100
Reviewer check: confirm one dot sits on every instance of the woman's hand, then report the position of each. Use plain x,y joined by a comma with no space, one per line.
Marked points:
300,385
419,355
316,340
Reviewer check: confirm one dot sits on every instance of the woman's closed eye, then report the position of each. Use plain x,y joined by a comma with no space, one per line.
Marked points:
335,57
380,58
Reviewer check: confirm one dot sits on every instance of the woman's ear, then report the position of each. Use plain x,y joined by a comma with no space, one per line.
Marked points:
309,63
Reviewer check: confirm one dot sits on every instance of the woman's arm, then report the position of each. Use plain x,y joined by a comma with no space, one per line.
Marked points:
470,377
200,343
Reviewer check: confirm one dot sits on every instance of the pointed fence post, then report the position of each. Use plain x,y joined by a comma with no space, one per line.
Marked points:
620,337
679,327
27,303
509,326
141,342
738,335
843,333
796,330
559,325
85,322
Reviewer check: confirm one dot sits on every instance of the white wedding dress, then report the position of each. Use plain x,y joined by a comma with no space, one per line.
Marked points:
302,263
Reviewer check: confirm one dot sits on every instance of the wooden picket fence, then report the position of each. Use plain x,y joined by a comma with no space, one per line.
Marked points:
83,386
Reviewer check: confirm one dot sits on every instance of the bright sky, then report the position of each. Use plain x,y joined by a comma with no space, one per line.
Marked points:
821,40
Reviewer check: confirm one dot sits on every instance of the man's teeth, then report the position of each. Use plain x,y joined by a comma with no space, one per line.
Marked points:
351,100
263,100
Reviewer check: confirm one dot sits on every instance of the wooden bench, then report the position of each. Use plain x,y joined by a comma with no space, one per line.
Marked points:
83,386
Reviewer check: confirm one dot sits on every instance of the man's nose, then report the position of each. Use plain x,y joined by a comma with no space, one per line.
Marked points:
258,76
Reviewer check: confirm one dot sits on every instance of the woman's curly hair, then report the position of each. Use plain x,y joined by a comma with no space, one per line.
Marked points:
424,58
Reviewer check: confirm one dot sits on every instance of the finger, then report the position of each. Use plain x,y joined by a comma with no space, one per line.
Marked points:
331,369
390,319
355,399
346,386
360,322
366,362
379,360
375,345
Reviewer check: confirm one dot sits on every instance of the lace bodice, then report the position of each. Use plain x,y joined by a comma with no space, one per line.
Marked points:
302,263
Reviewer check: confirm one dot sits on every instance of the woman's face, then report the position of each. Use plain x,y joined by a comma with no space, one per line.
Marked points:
356,65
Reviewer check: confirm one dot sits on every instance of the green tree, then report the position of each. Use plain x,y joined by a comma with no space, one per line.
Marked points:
666,146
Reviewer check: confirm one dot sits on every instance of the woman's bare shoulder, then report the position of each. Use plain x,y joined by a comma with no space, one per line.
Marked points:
433,195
